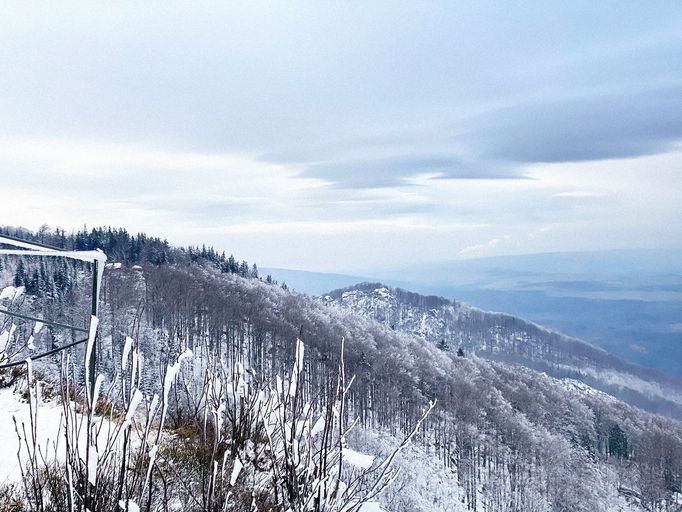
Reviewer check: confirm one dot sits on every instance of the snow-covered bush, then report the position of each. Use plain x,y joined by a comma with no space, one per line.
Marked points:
244,444
271,450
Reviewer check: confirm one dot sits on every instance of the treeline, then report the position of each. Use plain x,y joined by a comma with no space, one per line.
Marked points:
121,246
53,280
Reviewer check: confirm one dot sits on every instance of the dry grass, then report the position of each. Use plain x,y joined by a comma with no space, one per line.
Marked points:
10,499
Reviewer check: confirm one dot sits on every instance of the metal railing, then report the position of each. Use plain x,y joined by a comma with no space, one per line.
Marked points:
30,248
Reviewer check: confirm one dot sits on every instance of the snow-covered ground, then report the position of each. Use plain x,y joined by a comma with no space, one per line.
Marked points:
49,432
422,483
14,409
11,293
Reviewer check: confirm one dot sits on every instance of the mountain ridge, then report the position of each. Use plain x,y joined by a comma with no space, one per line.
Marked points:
500,336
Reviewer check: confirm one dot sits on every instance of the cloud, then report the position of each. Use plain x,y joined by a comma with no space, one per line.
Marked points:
675,327
637,348
500,143
579,193
539,232
370,122
323,228
596,126
400,170
89,179
478,249
131,181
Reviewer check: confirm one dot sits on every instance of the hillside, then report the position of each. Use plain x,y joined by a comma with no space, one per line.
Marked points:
507,338
626,302
501,437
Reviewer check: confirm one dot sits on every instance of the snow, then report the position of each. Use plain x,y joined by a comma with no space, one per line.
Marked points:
423,483
98,385
169,379
371,506
620,380
93,460
5,336
129,505
235,471
357,459
94,322
12,293
152,458
579,387
318,427
23,244
48,428
427,485
172,373
298,366
134,404
87,256
126,351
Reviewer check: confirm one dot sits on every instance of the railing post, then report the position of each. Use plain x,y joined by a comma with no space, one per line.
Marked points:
92,364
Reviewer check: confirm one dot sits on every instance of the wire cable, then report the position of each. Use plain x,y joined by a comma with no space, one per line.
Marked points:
44,354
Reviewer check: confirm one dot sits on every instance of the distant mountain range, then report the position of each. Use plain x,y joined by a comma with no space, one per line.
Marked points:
627,302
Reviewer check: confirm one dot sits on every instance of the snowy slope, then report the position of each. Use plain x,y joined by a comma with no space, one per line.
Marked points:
521,421
506,338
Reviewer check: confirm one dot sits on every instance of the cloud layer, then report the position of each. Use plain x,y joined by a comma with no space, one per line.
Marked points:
344,136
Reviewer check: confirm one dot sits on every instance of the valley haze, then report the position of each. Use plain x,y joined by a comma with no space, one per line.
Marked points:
627,302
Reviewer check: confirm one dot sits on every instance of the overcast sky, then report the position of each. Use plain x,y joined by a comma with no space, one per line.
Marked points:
347,136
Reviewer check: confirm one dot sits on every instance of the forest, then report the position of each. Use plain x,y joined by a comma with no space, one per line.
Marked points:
504,437
503,337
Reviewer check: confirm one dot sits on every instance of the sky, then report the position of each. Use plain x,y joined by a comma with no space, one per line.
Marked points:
347,136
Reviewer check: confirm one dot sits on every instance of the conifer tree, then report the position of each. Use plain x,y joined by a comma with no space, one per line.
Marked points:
20,276
618,442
